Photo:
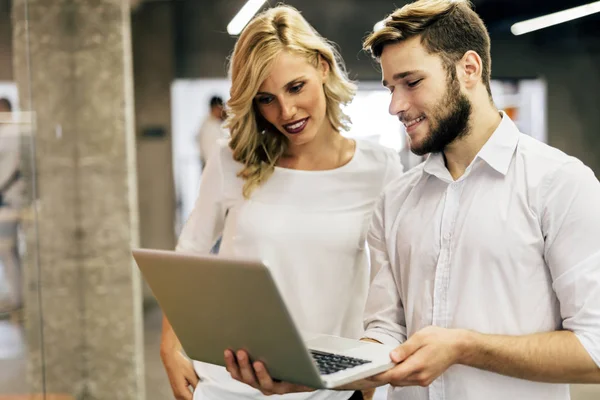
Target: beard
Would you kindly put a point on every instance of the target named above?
(450, 124)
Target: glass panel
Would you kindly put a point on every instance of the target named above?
(21, 348)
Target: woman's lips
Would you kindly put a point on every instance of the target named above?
(296, 126)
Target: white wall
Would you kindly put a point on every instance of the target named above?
(9, 91)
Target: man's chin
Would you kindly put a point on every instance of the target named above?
(419, 143)
(418, 150)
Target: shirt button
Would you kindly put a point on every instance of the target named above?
(447, 235)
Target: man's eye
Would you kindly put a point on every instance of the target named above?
(414, 83)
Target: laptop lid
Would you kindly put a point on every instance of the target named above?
(217, 303)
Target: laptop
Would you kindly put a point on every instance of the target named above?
(217, 303)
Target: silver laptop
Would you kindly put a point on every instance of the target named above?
(217, 303)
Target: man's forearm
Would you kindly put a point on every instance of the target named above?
(555, 357)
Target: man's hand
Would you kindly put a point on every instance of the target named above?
(257, 376)
(423, 357)
(181, 374)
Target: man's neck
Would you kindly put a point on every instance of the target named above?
(459, 154)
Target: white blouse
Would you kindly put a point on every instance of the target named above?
(310, 227)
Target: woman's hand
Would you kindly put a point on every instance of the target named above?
(257, 376)
(181, 374)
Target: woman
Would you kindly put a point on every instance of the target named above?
(289, 189)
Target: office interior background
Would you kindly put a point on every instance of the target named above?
(107, 98)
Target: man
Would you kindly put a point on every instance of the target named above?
(211, 132)
(487, 254)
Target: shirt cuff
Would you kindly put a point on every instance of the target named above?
(384, 337)
(590, 346)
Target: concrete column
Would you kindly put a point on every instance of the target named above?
(73, 67)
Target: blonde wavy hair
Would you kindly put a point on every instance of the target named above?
(278, 29)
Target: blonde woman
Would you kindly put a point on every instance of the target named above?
(289, 188)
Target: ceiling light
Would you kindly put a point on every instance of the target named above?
(555, 18)
(244, 16)
(379, 25)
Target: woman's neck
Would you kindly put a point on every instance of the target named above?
(326, 151)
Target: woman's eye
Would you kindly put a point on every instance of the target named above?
(264, 100)
(297, 88)
(414, 83)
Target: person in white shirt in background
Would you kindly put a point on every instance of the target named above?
(11, 198)
(488, 253)
(211, 132)
(288, 189)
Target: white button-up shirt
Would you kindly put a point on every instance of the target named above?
(512, 247)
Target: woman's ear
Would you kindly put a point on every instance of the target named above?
(324, 68)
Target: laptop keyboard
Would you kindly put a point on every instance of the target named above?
(329, 363)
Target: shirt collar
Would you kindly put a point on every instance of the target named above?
(435, 165)
(497, 152)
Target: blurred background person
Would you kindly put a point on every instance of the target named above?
(211, 131)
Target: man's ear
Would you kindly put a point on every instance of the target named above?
(471, 68)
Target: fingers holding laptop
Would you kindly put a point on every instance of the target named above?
(238, 368)
(257, 376)
(423, 357)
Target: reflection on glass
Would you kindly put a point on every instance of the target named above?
(19, 308)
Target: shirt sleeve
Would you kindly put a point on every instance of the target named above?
(570, 222)
(384, 318)
(206, 221)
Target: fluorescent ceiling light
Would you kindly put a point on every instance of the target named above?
(555, 18)
(243, 16)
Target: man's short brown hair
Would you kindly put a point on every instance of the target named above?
(447, 28)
